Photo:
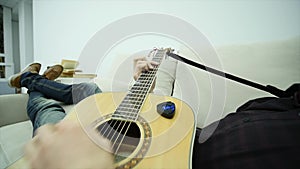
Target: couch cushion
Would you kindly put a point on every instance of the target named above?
(12, 139)
(16, 129)
(13, 108)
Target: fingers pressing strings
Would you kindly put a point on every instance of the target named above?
(141, 65)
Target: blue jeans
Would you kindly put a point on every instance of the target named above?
(42, 107)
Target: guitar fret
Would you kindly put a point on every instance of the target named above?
(133, 100)
(123, 117)
(145, 80)
(131, 104)
(150, 74)
(135, 97)
(147, 76)
(139, 84)
(140, 89)
(123, 112)
(127, 110)
(143, 83)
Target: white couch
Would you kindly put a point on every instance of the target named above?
(275, 63)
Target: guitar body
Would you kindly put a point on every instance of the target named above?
(170, 142)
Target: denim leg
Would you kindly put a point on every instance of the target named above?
(42, 110)
(83, 90)
(68, 94)
(50, 89)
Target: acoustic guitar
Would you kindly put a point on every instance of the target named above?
(146, 130)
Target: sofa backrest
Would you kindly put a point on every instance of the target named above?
(13, 108)
(268, 63)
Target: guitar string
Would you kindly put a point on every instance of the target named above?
(151, 75)
(114, 123)
(135, 102)
(136, 99)
(136, 96)
(108, 126)
(116, 151)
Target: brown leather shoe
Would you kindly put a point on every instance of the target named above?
(53, 72)
(15, 80)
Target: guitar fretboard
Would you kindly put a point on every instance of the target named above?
(131, 105)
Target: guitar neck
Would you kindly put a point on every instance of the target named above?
(133, 101)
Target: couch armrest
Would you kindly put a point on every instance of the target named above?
(13, 108)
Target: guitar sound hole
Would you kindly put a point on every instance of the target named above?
(124, 137)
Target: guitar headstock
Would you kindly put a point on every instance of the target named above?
(167, 51)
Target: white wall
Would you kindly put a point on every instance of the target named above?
(63, 27)
(7, 28)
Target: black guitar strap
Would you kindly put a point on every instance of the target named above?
(268, 88)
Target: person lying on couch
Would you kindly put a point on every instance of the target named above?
(42, 90)
(43, 110)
